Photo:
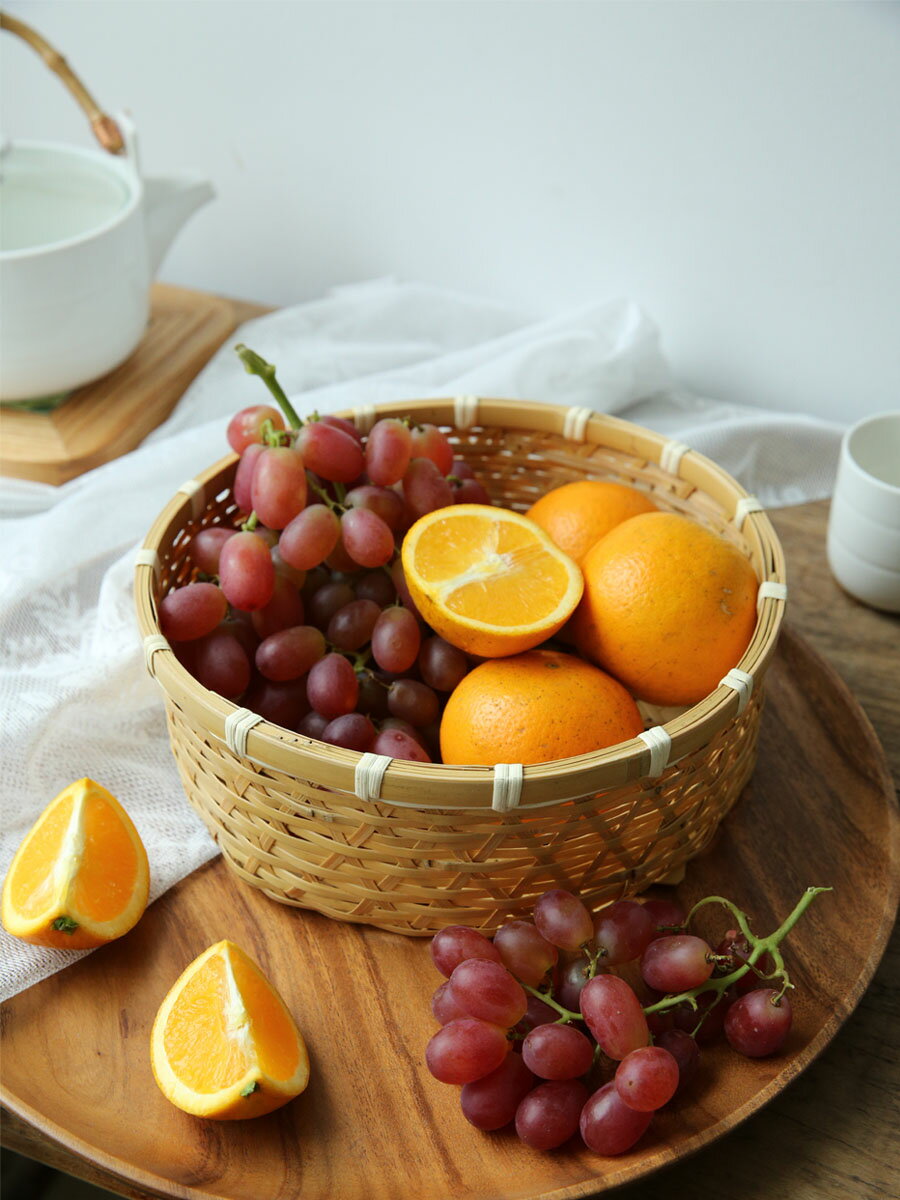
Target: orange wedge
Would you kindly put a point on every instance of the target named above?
(80, 877)
(223, 1043)
(488, 579)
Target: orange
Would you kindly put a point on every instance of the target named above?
(669, 607)
(223, 1043)
(533, 708)
(578, 515)
(80, 877)
(489, 580)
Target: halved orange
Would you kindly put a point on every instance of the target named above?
(488, 579)
(80, 877)
(223, 1043)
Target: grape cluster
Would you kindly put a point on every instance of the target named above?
(302, 611)
(569, 1023)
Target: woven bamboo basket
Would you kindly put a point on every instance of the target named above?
(415, 847)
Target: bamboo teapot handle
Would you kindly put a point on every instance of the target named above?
(105, 129)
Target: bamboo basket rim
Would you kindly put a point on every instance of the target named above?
(427, 786)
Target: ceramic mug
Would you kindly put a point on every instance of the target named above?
(864, 525)
(81, 237)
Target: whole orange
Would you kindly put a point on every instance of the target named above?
(668, 608)
(578, 515)
(535, 707)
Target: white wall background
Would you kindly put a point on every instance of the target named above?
(732, 166)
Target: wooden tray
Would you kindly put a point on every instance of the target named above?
(110, 417)
(373, 1124)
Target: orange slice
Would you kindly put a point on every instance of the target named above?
(488, 579)
(223, 1043)
(80, 877)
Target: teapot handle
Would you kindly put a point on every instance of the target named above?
(105, 128)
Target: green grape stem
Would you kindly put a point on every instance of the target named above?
(758, 948)
(254, 364)
(566, 1014)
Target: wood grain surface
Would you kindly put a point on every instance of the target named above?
(111, 416)
(373, 1124)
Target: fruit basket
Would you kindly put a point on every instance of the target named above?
(413, 847)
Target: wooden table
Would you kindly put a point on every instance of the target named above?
(831, 1134)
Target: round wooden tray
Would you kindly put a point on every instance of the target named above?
(373, 1124)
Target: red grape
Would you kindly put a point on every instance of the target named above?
(549, 1115)
(676, 963)
(470, 491)
(460, 469)
(442, 666)
(525, 953)
(706, 1021)
(736, 946)
(328, 600)
(351, 626)
(246, 572)
(295, 576)
(430, 442)
(608, 1125)
(330, 452)
(623, 931)
(458, 943)
(487, 990)
(537, 1013)
(278, 489)
(221, 664)
(310, 537)
(562, 919)
(388, 451)
(192, 612)
(491, 1102)
(291, 653)
(647, 1078)
(342, 423)
(445, 1006)
(404, 727)
(385, 502)
(206, 546)
(572, 978)
(340, 560)
(283, 610)
(413, 702)
(557, 1052)
(425, 488)
(378, 587)
(332, 687)
(684, 1050)
(313, 725)
(245, 427)
(396, 744)
(465, 1050)
(758, 1024)
(396, 640)
(282, 704)
(614, 1015)
(353, 731)
(402, 590)
(665, 914)
(366, 538)
(372, 699)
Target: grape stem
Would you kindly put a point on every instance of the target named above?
(566, 1014)
(758, 947)
(254, 364)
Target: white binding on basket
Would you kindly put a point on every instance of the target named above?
(237, 726)
(660, 746)
(744, 506)
(465, 411)
(672, 454)
(147, 557)
(152, 643)
(369, 774)
(508, 779)
(742, 683)
(771, 589)
(575, 422)
(196, 492)
(364, 417)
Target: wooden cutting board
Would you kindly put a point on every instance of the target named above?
(373, 1124)
(107, 418)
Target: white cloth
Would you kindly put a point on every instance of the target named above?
(76, 699)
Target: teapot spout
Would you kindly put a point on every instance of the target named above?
(169, 201)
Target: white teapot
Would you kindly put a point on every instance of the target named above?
(82, 235)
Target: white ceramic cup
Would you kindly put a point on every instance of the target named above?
(82, 234)
(864, 525)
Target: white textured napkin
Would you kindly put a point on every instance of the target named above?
(76, 699)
